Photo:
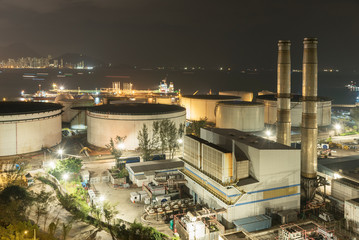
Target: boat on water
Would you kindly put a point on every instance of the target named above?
(29, 75)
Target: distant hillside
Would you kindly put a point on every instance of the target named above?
(17, 50)
(75, 58)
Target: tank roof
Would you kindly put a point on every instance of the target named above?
(136, 109)
(241, 103)
(211, 97)
(294, 98)
(17, 107)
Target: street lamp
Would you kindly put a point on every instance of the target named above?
(180, 141)
(52, 165)
(268, 133)
(65, 176)
(60, 151)
(101, 198)
(337, 128)
(121, 146)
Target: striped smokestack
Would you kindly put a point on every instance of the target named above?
(283, 90)
(309, 130)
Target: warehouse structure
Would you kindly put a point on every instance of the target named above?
(203, 106)
(242, 173)
(243, 116)
(324, 106)
(126, 120)
(28, 127)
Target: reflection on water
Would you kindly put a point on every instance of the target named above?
(330, 84)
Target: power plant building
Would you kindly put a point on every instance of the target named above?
(27, 127)
(203, 106)
(243, 116)
(126, 120)
(243, 173)
(270, 109)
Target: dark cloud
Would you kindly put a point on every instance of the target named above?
(183, 32)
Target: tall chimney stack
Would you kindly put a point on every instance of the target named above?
(283, 90)
(309, 130)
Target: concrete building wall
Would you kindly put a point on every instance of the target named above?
(26, 133)
(102, 127)
(241, 117)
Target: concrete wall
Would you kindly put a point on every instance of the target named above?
(26, 133)
(270, 112)
(241, 117)
(102, 127)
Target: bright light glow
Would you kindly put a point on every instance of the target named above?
(180, 140)
(25, 232)
(121, 146)
(337, 126)
(65, 176)
(60, 151)
(62, 87)
(337, 175)
(268, 133)
(52, 165)
(101, 198)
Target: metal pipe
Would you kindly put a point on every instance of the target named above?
(283, 91)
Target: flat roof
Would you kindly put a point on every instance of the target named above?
(348, 165)
(18, 107)
(241, 103)
(212, 97)
(155, 165)
(136, 109)
(249, 139)
(355, 201)
(294, 98)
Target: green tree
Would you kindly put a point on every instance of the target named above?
(18, 231)
(109, 213)
(53, 227)
(41, 201)
(69, 165)
(194, 127)
(116, 146)
(66, 228)
(14, 201)
(146, 145)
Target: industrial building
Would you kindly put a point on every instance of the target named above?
(28, 127)
(145, 172)
(243, 116)
(203, 106)
(74, 110)
(324, 106)
(243, 173)
(126, 120)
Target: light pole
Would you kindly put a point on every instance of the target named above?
(60, 151)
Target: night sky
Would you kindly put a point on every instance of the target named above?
(184, 32)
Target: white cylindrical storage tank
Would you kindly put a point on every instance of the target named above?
(203, 106)
(28, 127)
(126, 120)
(245, 96)
(243, 116)
(324, 106)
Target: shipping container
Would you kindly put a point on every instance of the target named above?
(255, 223)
